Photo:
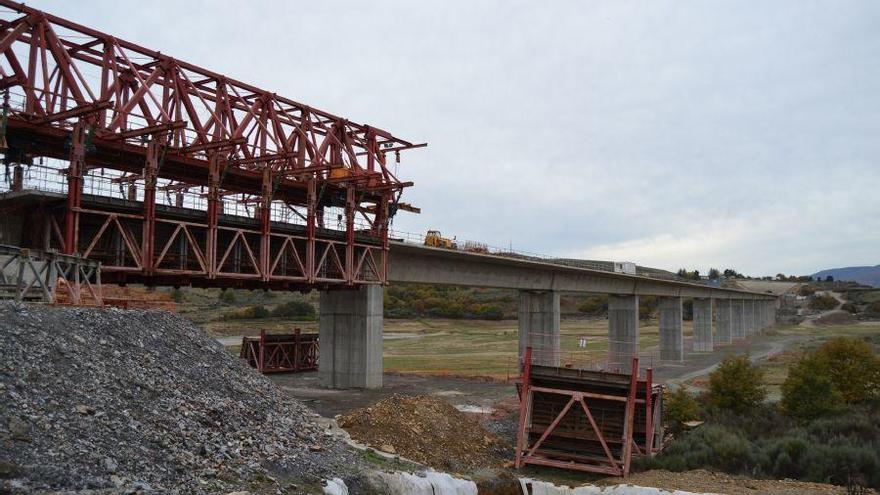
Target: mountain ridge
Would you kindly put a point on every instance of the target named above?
(868, 275)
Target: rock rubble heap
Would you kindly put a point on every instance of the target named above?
(143, 401)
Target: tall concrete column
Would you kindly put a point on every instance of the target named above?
(623, 331)
(748, 318)
(762, 316)
(703, 325)
(723, 321)
(671, 338)
(756, 328)
(350, 332)
(539, 326)
(737, 310)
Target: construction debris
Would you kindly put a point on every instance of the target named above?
(106, 399)
(425, 429)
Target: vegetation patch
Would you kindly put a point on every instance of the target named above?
(825, 429)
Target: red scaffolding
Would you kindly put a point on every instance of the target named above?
(157, 125)
(587, 420)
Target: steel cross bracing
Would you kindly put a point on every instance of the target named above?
(164, 125)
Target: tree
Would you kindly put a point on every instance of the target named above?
(682, 273)
(808, 392)
(780, 276)
(736, 385)
(853, 369)
(714, 274)
(679, 406)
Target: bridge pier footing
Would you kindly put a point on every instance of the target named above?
(703, 341)
(350, 332)
(671, 338)
(539, 326)
(623, 331)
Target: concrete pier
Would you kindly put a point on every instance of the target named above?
(703, 341)
(748, 318)
(350, 331)
(723, 321)
(539, 326)
(671, 338)
(737, 325)
(623, 331)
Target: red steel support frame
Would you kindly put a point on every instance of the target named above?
(100, 102)
(530, 454)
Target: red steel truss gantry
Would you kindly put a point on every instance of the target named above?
(250, 177)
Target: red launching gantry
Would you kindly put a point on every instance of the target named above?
(168, 173)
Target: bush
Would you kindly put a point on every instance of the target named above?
(875, 307)
(647, 307)
(294, 309)
(227, 297)
(762, 444)
(808, 391)
(806, 291)
(176, 295)
(853, 369)
(736, 385)
(850, 308)
(679, 406)
(487, 312)
(248, 313)
(594, 306)
(823, 303)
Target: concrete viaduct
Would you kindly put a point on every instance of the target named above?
(351, 320)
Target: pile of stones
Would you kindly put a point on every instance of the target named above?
(112, 401)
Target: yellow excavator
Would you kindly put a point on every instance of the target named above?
(434, 239)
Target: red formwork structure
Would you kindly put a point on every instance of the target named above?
(587, 420)
(277, 353)
(156, 127)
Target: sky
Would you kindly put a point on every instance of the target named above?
(673, 134)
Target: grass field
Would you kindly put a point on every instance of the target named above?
(490, 348)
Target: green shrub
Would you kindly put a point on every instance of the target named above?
(736, 385)
(227, 297)
(647, 307)
(822, 303)
(594, 306)
(806, 291)
(763, 443)
(294, 309)
(808, 392)
(850, 308)
(679, 406)
(176, 295)
(248, 313)
(487, 312)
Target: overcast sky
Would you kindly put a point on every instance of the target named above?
(674, 134)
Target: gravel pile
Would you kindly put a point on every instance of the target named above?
(425, 429)
(145, 402)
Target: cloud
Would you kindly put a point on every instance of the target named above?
(681, 134)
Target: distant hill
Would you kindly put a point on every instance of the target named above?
(868, 275)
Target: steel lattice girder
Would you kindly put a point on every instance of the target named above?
(101, 102)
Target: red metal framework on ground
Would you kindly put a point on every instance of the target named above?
(131, 118)
(274, 353)
(587, 420)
